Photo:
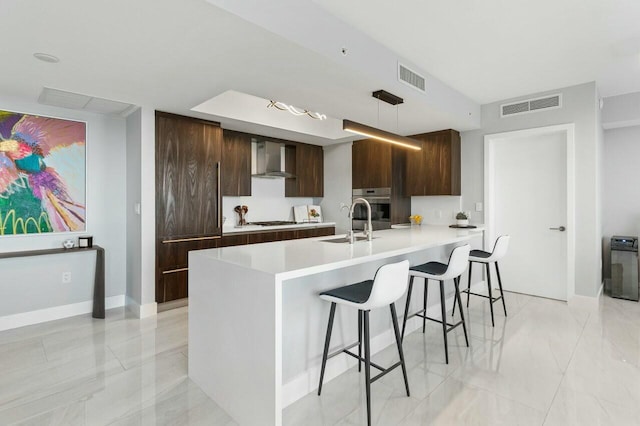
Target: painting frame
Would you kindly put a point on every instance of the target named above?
(54, 141)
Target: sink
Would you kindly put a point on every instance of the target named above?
(344, 240)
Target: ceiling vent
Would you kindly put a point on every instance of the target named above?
(61, 98)
(411, 78)
(531, 105)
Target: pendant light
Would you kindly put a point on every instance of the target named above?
(378, 134)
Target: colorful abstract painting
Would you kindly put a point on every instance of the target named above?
(42, 174)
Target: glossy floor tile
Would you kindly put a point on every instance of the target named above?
(543, 364)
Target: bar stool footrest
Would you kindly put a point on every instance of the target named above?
(493, 299)
(449, 325)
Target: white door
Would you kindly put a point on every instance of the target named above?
(529, 202)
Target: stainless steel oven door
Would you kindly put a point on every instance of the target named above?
(380, 201)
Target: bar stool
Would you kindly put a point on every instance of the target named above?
(388, 285)
(480, 256)
(440, 272)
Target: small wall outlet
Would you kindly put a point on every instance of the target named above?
(439, 214)
(478, 207)
(66, 277)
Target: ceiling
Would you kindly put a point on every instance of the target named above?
(493, 50)
(175, 55)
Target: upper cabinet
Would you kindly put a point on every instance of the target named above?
(236, 163)
(435, 170)
(371, 164)
(306, 162)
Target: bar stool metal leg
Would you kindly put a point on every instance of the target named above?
(504, 306)
(444, 322)
(424, 305)
(359, 340)
(406, 308)
(367, 365)
(456, 281)
(490, 294)
(327, 341)
(396, 331)
(469, 284)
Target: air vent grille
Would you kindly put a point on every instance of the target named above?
(61, 98)
(411, 78)
(531, 105)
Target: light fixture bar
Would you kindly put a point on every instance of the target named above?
(381, 135)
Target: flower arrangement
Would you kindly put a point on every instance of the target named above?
(416, 218)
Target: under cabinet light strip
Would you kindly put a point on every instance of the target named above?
(381, 135)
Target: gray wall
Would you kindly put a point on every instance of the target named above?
(337, 185)
(621, 195)
(134, 232)
(579, 107)
(28, 284)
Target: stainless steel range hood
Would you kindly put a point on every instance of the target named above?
(268, 160)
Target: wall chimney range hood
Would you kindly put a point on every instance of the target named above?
(268, 160)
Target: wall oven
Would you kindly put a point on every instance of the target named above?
(380, 201)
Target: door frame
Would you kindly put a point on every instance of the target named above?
(489, 216)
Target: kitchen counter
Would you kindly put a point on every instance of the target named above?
(257, 325)
(226, 230)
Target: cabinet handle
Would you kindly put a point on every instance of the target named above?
(219, 197)
(184, 240)
(173, 271)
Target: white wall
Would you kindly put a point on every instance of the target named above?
(621, 193)
(267, 202)
(30, 284)
(134, 228)
(579, 107)
(437, 210)
(337, 185)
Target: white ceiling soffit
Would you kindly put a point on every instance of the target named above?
(309, 25)
(252, 109)
(64, 99)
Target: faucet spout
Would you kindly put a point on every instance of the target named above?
(369, 231)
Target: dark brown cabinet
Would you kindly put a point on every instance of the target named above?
(306, 162)
(381, 165)
(435, 170)
(371, 164)
(236, 163)
(188, 197)
(279, 235)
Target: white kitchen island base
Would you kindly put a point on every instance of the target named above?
(257, 325)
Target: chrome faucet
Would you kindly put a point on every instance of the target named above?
(368, 231)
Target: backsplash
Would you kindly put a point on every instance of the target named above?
(267, 202)
(437, 210)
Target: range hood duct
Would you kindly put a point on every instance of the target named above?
(268, 160)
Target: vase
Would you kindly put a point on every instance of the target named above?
(463, 222)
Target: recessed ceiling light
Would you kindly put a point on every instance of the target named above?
(45, 57)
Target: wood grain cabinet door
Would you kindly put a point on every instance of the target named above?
(371, 164)
(435, 170)
(307, 163)
(236, 163)
(188, 197)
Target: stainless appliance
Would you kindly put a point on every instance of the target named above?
(380, 201)
(624, 268)
(268, 160)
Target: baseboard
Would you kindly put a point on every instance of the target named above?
(57, 312)
(141, 311)
(307, 382)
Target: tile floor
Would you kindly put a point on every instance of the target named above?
(547, 364)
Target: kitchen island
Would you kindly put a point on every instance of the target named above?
(257, 325)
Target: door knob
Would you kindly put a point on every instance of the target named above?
(560, 228)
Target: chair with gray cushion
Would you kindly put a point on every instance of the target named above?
(487, 258)
(388, 285)
(439, 272)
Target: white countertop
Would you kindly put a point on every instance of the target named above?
(295, 258)
(260, 228)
